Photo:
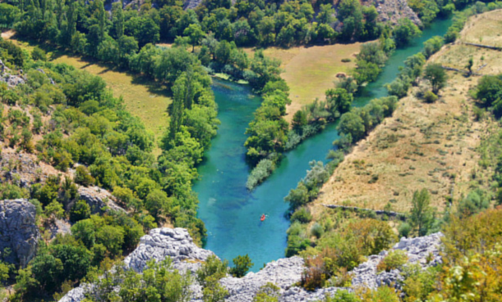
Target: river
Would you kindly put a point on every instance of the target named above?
(231, 212)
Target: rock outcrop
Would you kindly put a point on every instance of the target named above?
(284, 273)
(162, 243)
(394, 10)
(418, 250)
(18, 231)
(98, 199)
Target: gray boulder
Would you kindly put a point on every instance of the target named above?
(98, 199)
(164, 242)
(18, 231)
(418, 250)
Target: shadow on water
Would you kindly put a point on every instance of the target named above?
(232, 213)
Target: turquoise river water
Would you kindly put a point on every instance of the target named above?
(231, 212)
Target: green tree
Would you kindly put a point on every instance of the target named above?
(118, 19)
(242, 264)
(81, 210)
(351, 123)
(436, 75)
(421, 215)
(112, 237)
(338, 100)
(157, 203)
(404, 32)
(195, 33)
(299, 120)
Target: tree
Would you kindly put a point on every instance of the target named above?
(118, 19)
(469, 65)
(83, 177)
(195, 33)
(353, 124)
(176, 114)
(405, 31)
(299, 120)
(112, 237)
(421, 215)
(339, 100)
(436, 75)
(242, 264)
(157, 203)
(81, 210)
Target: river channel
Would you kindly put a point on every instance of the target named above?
(231, 212)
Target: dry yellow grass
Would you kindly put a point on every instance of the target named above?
(422, 145)
(310, 71)
(484, 29)
(142, 97)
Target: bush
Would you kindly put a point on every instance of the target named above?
(430, 97)
(263, 170)
(394, 260)
(83, 177)
(404, 229)
(213, 269)
(242, 264)
(317, 230)
(80, 210)
(302, 215)
(314, 276)
(38, 54)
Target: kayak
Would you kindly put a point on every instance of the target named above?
(263, 217)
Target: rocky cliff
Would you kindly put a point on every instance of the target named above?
(394, 10)
(285, 273)
(19, 234)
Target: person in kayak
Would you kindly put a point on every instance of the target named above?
(263, 216)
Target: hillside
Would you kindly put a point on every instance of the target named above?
(142, 97)
(433, 146)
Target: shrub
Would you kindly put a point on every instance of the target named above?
(212, 268)
(242, 264)
(317, 230)
(264, 168)
(394, 260)
(404, 229)
(267, 293)
(302, 215)
(430, 97)
(314, 276)
(80, 210)
(83, 177)
(346, 60)
(38, 54)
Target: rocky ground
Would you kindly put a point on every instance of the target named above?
(19, 234)
(285, 273)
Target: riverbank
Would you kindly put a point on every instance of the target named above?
(231, 212)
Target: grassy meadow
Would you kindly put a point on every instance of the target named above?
(310, 71)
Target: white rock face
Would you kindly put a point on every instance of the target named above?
(417, 249)
(284, 273)
(163, 243)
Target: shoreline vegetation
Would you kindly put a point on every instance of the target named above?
(312, 118)
(354, 126)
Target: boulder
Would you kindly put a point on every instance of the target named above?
(14, 81)
(18, 231)
(97, 199)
